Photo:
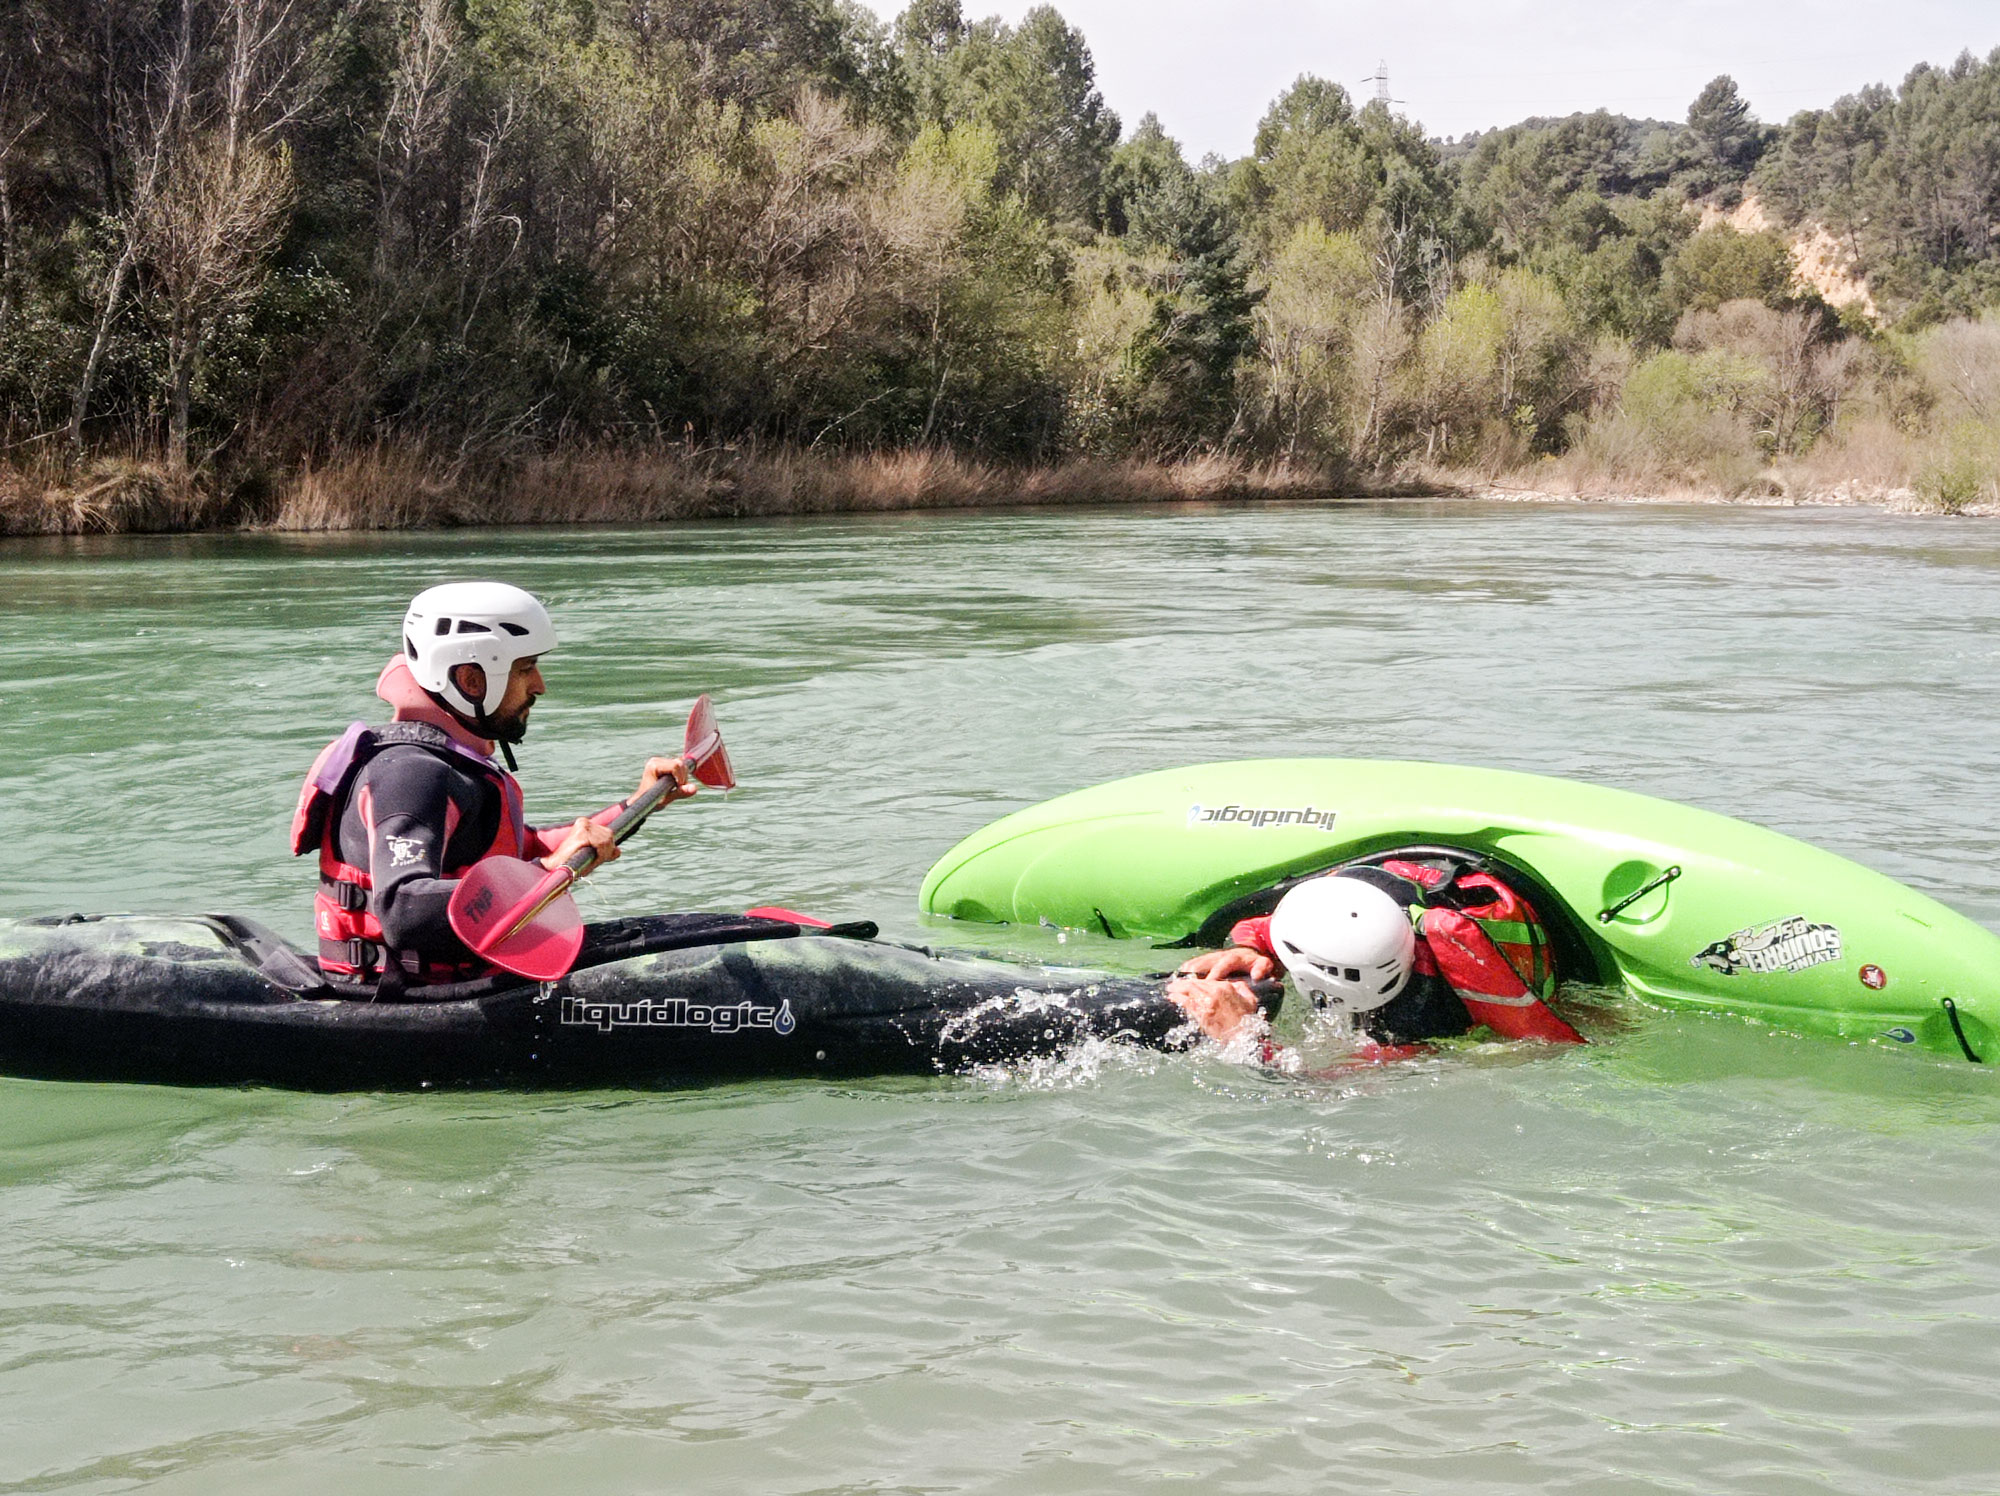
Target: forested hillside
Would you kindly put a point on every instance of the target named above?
(245, 239)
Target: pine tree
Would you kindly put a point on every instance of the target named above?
(1724, 137)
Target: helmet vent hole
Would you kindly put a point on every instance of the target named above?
(513, 628)
(1352, 975)
(444, 625)
(467, 626)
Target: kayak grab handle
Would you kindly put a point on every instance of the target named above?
(1605, 916)
(1958, 1031)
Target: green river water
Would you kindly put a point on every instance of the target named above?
(1696, 1256)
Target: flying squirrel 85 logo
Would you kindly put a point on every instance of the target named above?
(1794, 943)
(1257, 818)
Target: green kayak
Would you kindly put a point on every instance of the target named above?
(1680, 906)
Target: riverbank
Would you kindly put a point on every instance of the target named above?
(402, 489)
(387, 488)
(1536, 488)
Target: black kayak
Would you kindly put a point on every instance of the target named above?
(664, 1001)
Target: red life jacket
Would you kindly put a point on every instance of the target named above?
(1482, 939)
(1492, 951)
(350, 937)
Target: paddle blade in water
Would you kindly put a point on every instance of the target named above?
(494, 910)
(704, 752)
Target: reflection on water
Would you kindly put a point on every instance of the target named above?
(1696, 1256)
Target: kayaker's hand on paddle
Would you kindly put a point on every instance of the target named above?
(668, 768)
(585, 833)
(1237, 961)
(1220, 1008)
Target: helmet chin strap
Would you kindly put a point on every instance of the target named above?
(482, 724)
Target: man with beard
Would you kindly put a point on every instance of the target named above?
(398, 814)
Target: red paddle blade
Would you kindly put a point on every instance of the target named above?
(495, 911)
(790, 916)
(704, 752)
(715, 771)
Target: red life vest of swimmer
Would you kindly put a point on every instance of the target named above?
(1481, 955)
(351, 944)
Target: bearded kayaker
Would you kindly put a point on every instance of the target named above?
(1415, 947)
(399, 813)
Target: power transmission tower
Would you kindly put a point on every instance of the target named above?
(1380, 78)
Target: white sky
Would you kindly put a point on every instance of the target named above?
(1209, 68)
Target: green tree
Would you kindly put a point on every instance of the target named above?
(1316, 159)
(1138, 169)
(1724, 139)
(1455, 375)
(1723, 133)
(977, 299)
(1909, 180)
(1034, 86)
(1542, 368)
(1720, 265)
(1821, 163)
(755, 52)
(1315, 288)
(1681, 418)
(1517, 180)
(1308, 164)
(1186, 362)
(1611, 269)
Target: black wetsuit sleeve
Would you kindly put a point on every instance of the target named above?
(401, 809)
(1426, 1009)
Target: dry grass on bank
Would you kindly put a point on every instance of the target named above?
(398, 491)
(1871, 462)
(393, 488)
(107, 495)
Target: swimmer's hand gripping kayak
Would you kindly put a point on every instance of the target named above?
(520, 916)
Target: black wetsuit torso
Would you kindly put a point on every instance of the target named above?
(411, 793)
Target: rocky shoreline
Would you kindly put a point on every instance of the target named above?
(1852, 494)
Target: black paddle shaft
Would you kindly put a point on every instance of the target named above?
(627, 821)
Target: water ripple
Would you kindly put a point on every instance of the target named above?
(1699, 1257)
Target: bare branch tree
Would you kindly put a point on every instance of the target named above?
(1382, 342)
(415, 125)
(262, 86)
(205, 237)
(19, 117)
(481, 215)
(219, 203)
(169, 85)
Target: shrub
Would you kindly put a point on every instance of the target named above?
(1678, 421)
(1720, 265)
(1964, 469)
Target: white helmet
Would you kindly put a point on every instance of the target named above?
(1346, 943)
(488, 624)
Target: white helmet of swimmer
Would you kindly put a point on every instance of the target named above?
(489, 624)
(1346, 944)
